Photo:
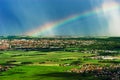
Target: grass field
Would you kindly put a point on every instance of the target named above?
(17, 57)
(35, 65)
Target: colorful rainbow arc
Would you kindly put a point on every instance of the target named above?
(48, 26)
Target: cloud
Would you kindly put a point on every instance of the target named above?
(112, 16)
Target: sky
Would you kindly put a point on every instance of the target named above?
(56, 17)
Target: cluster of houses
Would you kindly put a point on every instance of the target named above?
(42, 43)
(4, 44)
(103, 73)
(5, 68)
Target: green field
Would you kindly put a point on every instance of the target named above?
(36, 65)
(58, 57)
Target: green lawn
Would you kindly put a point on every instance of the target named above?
(41, 73)
(44, 65)
(37, 57)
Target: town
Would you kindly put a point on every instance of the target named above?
(81, 58)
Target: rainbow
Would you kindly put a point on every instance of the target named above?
(52, 25)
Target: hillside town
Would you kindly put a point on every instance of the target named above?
(89, 58)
